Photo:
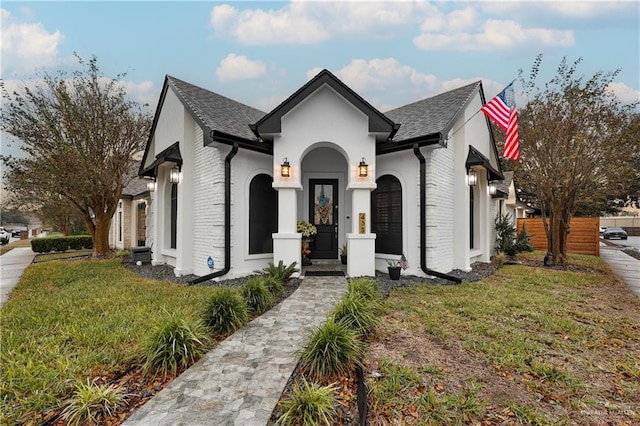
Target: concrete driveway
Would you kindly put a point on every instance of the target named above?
(12, 265)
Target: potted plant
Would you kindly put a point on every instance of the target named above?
(343, 254)
(394, 269)
(308, 231)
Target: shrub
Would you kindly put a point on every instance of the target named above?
(225, 311)
(332, 348)
(45, 245)
(309, 404)
(274, 285)
(256, 295)
(367, 288)
(281, 273)
(523, 241)
(505, 234)
(356, 313)
(90, 402)
(176, 342)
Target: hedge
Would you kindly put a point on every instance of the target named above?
(77, 242)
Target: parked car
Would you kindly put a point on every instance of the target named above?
(4, 236)
(614, 232)
(15, 233)
(602, 229)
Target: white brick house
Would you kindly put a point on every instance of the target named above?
(235, 207)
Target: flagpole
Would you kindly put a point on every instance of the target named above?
(455, 131)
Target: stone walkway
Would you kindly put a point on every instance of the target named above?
(240, 381)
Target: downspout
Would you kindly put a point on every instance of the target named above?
(423, 220)
(227, 220)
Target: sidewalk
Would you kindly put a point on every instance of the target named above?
(623, 265)
(12, 265)
(240, 381)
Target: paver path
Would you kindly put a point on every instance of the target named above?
(240, 381)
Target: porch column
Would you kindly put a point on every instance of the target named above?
(361, 243)
(287, 243)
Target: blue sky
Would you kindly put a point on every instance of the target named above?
(391, 53)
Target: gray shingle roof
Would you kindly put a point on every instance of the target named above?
(216, 111)
(504, 185)
(137, 185)
(431, 115)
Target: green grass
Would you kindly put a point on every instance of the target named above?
(8, 247)
(69, 321)
(561, 334)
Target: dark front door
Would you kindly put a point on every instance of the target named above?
(323, 212)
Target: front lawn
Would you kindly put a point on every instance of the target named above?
(69, 321)
(528, 345)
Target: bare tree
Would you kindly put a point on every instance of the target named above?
(79, 132)
(576, 140)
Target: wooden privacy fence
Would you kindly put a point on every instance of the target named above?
(584, 234)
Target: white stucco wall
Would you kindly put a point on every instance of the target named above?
(325, 120)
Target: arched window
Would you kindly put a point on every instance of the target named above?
(263, 214)
(386, 215)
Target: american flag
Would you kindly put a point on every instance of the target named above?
(502, 111)
(403, 262)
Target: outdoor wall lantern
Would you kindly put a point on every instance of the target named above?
(492, 188)
(472, 177)
(174, 175)
(285, 168)
(363, 168)
(151, 185)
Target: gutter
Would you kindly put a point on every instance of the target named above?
(227, 220)
(423, 220)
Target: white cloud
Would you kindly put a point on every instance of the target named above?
(494, 34)
(27, 46)
(381, 75)
(624, 93)
(302, 22)
(234, 67)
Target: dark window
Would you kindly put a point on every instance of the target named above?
(386, 215)
(174, 215)
(263, 214)
(141, 224)
(471, 218)
(120, 225)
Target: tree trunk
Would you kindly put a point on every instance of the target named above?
(101, 236)
(556, 233)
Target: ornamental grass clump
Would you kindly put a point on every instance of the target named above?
(275, 286)
(90, 403)
(332, 348)
(225, 311)
(357, 313)
(176, 342)
(280, 272)
(309, 404)
(256, 295)
(366, 288)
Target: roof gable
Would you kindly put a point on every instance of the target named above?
(223, 117)
(271, 123)
(432, 116)
(216, 112)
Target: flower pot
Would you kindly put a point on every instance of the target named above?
(343, 259)
(394, 272)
